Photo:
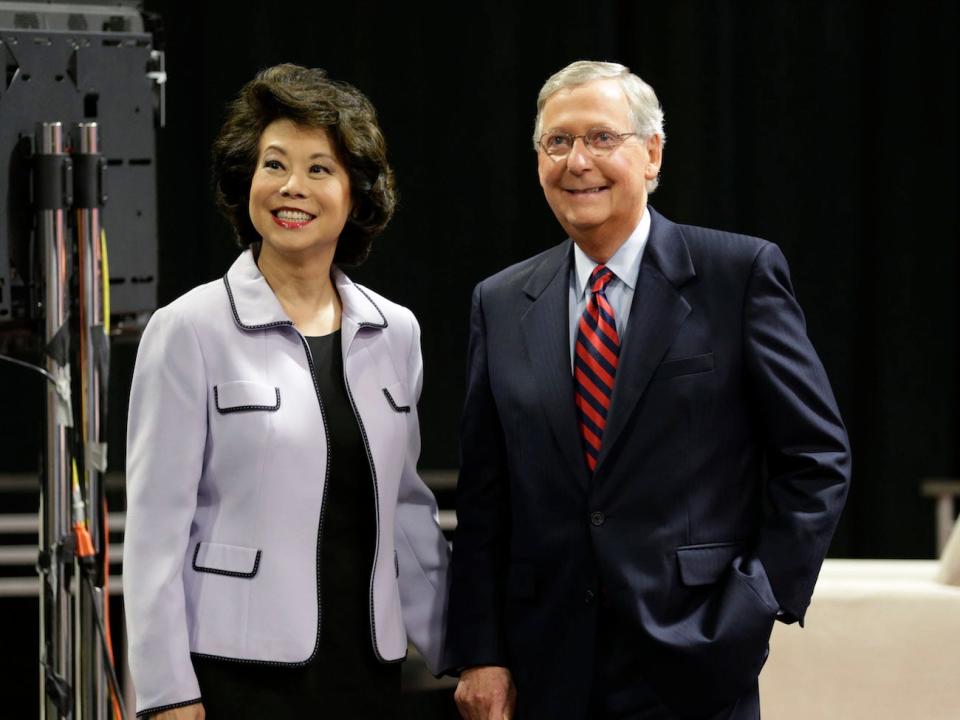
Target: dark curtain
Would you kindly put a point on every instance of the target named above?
(826, 126)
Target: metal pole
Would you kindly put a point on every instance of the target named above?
(52, 195)
(91, 681)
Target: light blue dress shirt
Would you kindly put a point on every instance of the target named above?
(625, 265)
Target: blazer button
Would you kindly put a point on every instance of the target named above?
(597, 518)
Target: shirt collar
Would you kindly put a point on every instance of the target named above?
(625, 263)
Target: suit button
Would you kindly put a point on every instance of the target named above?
(597, 518)
(589, 597)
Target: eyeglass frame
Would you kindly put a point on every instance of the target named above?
(621, 137)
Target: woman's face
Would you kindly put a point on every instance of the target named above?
(300, 192)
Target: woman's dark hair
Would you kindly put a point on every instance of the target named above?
(309, 98)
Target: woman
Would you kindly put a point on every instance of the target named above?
(279, 544)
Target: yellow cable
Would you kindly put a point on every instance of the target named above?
(105, 278)
(79, 509)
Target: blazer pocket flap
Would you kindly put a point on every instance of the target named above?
(684, 366)
(396, 396)
(705, 564)
(220, 559)
(242, 395)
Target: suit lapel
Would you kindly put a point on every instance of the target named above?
(545, 327)
(656, 315)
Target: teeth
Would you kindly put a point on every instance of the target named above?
(588, 190)
(294, 215)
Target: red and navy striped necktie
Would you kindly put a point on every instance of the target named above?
(595, 364)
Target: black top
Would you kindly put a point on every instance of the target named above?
(344, 679)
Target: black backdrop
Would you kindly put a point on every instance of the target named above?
(827, 126)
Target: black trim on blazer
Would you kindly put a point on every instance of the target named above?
(218, 571)
(279, 663)
(162, 708)
(375, 307)
(236, 315)
(323, 500)
(323, 510)
(393, 403)
(243, 408)
(323, 503)
(376, 507)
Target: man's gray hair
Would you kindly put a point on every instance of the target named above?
(644, 106)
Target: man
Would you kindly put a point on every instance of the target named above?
(653, 463)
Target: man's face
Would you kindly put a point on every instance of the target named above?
(598, 200)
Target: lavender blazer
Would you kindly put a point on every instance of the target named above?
(226, 469)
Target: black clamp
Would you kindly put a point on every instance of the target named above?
(88, 181)
(53, 182)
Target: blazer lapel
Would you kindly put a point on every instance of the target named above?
(545, 328)
(252, 301)
(359, 310)
(256, 307)
(656, 315)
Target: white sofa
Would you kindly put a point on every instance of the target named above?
(882, 640)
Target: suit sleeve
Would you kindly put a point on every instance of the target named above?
(423, 555)
(166, 435)
(475, 632)
(807, 451)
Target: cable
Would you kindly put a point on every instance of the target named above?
(105, 283)
(84, 542)
(29, 366)
(87, 557)
(105, 280)
(58, 688)
(111, 671)
(118, 713)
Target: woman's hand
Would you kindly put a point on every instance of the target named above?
(187, 712)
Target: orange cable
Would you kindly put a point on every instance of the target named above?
(106, 604)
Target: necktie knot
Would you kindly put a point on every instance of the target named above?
(599, 278)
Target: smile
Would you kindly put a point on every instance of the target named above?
(291, 218)
(586, 191)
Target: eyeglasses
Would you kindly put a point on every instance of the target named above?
(599, 141)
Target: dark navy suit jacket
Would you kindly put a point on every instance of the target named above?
(723, 470)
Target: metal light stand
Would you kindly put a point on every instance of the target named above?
(73, 681)
(88, 66)
(91, 681)
(52, 194)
